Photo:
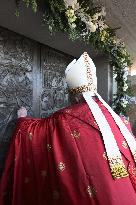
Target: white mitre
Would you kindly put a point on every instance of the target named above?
(85, 78)
(81, 78)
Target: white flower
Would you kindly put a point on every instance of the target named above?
(115, 75)
(71, 16)
(82, 16)
(73, 25)
(84, 33)
(124, 102)
(125, 87)
(115, 41)
(90, 19)
(124, 105)
(83, 19)
(118, 41)
(70, 12)
(125, 73)
(124, 78)
(92, 27)
(95, 16)
(126, 68)
(72, 19)
(96, 25)
(74, 1)
(122, 60)
(101, 23)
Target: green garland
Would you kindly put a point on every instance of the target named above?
(87, 23)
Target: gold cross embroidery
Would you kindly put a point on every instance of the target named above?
(91, 191)
(61, 166)
(75, 134)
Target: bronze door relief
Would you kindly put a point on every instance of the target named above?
(31, 75)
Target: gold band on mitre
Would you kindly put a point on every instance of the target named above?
(83, 88)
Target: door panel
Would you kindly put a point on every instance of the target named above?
(31, 75)
(54, 94)
(15, 78)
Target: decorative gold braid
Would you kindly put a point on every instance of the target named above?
(83, 88)
(88, 68)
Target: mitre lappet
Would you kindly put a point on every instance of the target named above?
(81, 78)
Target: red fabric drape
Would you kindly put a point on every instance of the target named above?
(61, 160)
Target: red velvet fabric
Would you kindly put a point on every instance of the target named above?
(61, 160)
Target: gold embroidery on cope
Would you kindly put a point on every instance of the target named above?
(75, 134)
(61, 166)
(91, 191)
(124, 144)
(48, 147)
(30, 136)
